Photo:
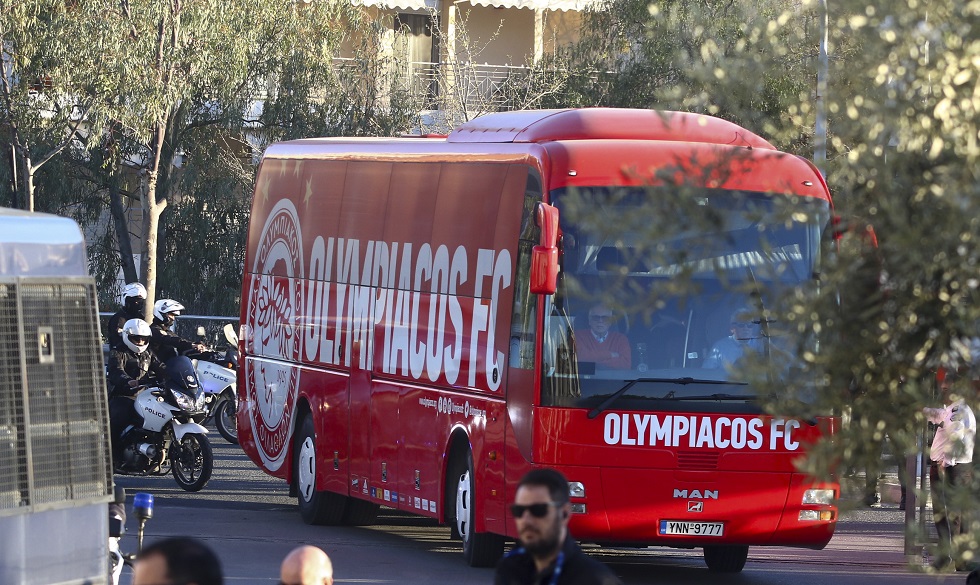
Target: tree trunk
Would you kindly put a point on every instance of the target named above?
(121, 225)
(26, 180)
(153, 208)
(152, 223)
(29, 185)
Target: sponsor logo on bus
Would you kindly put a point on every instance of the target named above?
(272, 384)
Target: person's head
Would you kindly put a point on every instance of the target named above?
(600, 319)
(166, 311)
(177, 561)
(744, 324)
(134, 298)
(973, 578)
(541, 511)
(306, 565)
(951, 383)
(136, 335)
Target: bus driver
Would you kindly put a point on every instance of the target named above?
(746, 338)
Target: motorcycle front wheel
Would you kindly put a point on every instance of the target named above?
(192, 461)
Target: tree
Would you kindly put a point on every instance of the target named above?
(196, 91)
(894, 304)
(50, 84)
(183, 67)
(678, 55)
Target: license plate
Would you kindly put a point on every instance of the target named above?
(692, 528)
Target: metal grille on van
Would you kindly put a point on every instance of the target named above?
(53, 418)
(697, 460)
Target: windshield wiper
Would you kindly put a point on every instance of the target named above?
(683, 381)
(671, 396)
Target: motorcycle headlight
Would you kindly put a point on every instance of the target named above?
(184, 401)
(201, 399)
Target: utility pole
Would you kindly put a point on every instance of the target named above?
(820, 127)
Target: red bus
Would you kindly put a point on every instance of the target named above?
(415, 313)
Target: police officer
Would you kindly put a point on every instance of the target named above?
(134, 303)
(166, 344)
(130, 366)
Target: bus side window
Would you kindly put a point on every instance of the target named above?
(523, 333)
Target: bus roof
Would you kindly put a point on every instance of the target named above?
(594, 147)
(39, 244)
(605, 123)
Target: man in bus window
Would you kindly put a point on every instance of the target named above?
(746, 338)
(599, 344)
(546, 551)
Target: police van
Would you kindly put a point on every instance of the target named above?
(55, 463)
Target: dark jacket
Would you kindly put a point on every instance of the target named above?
(113, 330)
(167, 344)
(125, 365)
(517, 568)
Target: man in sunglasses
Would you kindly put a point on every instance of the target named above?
(746, 338)
(130, 365)
(306, 565)
(547, 554)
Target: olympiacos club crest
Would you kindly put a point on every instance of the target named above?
(274, 340)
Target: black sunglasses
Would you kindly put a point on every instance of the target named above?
(536, 510)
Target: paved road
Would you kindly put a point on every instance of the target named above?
(252, 523)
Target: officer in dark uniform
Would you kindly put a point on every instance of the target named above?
(134, 303)
(130, 366)
(166, 344)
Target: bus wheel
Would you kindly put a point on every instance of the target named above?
(480, 549)
(725, 559)
(360, 512)
(316, 507)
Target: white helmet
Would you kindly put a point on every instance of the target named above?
(134, 289)
(167, 310)
(136, 335)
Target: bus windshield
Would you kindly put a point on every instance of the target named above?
(676, 299)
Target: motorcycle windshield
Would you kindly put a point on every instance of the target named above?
(181, 376)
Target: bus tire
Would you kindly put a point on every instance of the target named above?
(315, 507)
(726, 559)
(480, 549)
(360, 512)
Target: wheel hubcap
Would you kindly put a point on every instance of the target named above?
(307, 469)
(463, 505)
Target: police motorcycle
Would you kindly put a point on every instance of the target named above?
(217, 373)
(215, 369)
(171, 438)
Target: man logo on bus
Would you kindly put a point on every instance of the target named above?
(274, 303)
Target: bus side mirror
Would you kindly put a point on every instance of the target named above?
(841, 227)
(544, 256)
